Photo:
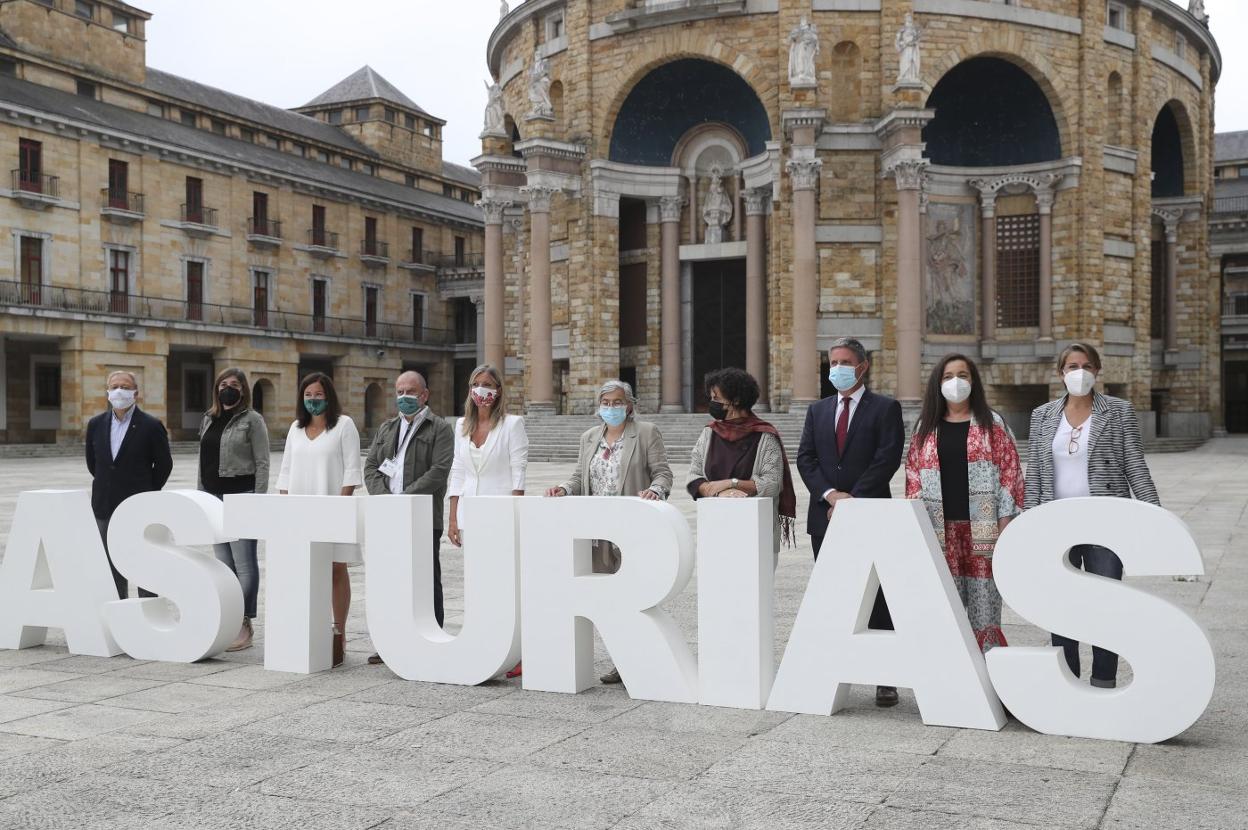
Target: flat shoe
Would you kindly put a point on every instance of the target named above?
(375, 660)
(885, 696)
(612, 676)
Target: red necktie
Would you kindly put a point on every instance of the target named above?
(842, 425)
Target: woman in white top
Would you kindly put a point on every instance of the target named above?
(322, 458)
(491, 450)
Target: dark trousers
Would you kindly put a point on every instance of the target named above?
(123, 587)
(1103, 562)
(439, 612)
(880, 618)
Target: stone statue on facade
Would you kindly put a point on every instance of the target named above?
(495, 115)
(803, 49)
(503, 10)
(718, 209)
(907, 44)
(539, 88)
(1196, 8)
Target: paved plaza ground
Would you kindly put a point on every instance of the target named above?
(116, 743)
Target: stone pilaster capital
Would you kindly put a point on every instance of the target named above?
(476, 298)
(804, 173)
(670, 208)
(909, 174)
(757, 199)
(1044, 201)
(539, 197)
(493, 210)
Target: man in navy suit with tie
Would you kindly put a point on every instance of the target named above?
(851, 447)
(127, 453)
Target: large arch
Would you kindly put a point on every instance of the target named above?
(679, 96)
(374, 407)
(990, 112)
(1173, 152)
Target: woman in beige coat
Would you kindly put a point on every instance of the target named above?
(623, 457)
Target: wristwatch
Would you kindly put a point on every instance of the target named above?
(735, 482)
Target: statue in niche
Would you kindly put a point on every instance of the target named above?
(803, 49)
(907, 44)
(950, 283)
(494, 113)
(718, 209)
(539, 88)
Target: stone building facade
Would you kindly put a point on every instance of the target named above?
(672, 187)
(1228, 249)
(162, 226)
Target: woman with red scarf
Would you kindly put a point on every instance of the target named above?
(739, 455)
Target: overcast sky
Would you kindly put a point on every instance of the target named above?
(286, 52)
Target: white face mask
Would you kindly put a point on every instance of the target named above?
(121, 398)
(956, 390)
(1079, 382)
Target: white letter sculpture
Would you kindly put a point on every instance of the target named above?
(563, 601)
(298, 532)
(803, 49)
(907, 44)
(1168, 651)
(932, 651)
(55, 575)
(147, 537)
(398, 552)
(736, 625)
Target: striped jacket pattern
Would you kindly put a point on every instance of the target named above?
(1116, 465)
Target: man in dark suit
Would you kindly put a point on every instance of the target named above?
(411, 454)
(851, 447)
(127, 453)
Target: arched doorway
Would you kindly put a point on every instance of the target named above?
(374, 409)
(990, 113)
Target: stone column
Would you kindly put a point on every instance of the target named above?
(478, 302)
(1172, 284)
(541, 392)
(804, 177)
(669, 301)
(1044, 204)
(909, 179)
(492, 338)
(756, 203)
(694, 219)
(988, 277)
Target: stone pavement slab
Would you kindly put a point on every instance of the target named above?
(90, 742)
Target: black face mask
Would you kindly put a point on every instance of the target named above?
(718, 410)
(229, 396)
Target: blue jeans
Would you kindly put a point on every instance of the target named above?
(1103, 562)
(240, 556)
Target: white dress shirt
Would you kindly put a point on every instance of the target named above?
(854, 400)
(118, 429)
(1070, 470)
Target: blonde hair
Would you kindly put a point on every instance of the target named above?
(470, 407)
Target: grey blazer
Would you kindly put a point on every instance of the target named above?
(643, 461)
(1116, 465)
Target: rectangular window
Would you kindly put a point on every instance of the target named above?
(361, 113)
(8, 69)
(370, 310)
(30, 165)
(188, 118)
(1116, 16)
(409, 179)
(194, 290)
(318, 304)
(322, 156)
(47, 385)
(448, 191)
(156, 109)
(391, 115)
(370, 235)
(1018, 271)
(218, 126)
(334, 116)
(298, 149)
(465, 320)
(85, 89)
(247, 135)
(121, 22)
(119, 281)
(118, 184)
(194, 200)
(348, 163)
(418, 245)
(318, 224)
(368, 169)
(260, 214)
(460, 250)
(84, 9)
(260, 299)
(418, 317)
(274, 142)
(1157, 308)
(409, 121)
(32, 270)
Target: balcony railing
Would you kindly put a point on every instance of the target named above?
(374, 248)
(1235, 305)
(122, 200)
(465, 260)
(57, 298)
(1231, 204)
(24, 181)
(321, 238)
(199, 215)
(418, 257)
(264, 227)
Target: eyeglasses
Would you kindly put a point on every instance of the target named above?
(614, 405)
(1073, 447)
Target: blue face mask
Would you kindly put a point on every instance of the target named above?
(410, 404)
(613, 415)
(843, 378)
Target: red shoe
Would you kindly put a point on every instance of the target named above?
(514, 673)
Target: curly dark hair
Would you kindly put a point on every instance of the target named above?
(737, 387)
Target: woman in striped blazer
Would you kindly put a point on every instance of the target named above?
(1086, 444)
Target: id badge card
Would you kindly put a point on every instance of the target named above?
(389, 468)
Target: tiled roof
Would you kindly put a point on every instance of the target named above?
(461, 174)
(141, 125)
(227, 102)
(1230, 146)
(362, 85)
